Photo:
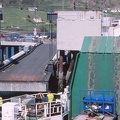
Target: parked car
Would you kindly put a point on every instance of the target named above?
(43, 36)
(29, 38)
(14, 36)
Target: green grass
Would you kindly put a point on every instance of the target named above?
(15, 17)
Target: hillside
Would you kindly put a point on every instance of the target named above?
(16, 14)
(46, 5)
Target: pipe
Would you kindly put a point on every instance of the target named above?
(61, 64)
(69, 71)
(60, 84)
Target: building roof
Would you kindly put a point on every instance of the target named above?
(30, 68)
(101, 44)
(29, 74)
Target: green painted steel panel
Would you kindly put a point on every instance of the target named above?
(117, 81)
(101, 46)
(117, 45)
(80, 81)
(104, 71)
(90, 44)
(85, 44)
(96, 70)
(110, 45)
(93, 44)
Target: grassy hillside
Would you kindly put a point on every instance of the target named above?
(16, 18)
(16, 14)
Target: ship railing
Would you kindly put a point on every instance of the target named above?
(42, 110)
(48, 109)
(34, 104)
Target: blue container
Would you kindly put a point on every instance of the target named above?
(104, 103)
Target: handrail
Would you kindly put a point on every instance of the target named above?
(49, 108)
(28, 105)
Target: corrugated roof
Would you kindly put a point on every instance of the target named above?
(101, 44)
(30, 68)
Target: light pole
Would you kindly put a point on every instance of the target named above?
(74, 5)
(35, 16)
(1, 18)
(50, 23)
(46, 25)
(35, 29)
(63, 4)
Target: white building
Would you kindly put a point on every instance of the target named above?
(72, 26)
(107, 21)
(114, 31)
(0, 5)
(106, 24)
(37, 20)
(110, 27)
(115, 10)
(32, 9)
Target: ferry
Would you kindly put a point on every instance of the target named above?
(35, 107)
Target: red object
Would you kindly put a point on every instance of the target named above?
(74, 3)
(2, 36)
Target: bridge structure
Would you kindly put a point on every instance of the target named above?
(28, 73)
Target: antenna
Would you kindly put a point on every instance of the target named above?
(74, 5)
(63, 4)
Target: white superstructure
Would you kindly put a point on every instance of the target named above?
(72, 26)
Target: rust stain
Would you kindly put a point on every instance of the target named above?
(117, 78)
(97, 14)
(118, 43)
(91, 72)
(94, 43)
(21, 77)
(91, 79)
(116, 60)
